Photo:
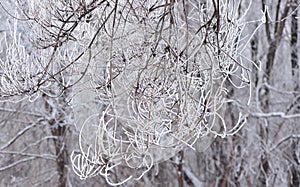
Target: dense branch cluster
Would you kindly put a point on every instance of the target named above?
(158, 71)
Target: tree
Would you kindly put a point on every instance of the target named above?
(158, 90)
(146, 79)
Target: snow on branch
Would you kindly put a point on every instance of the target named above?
(193, 178)
(274, 114)
(19, 134)
(159, 72)
(17, 163)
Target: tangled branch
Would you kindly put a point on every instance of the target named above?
(158, 71)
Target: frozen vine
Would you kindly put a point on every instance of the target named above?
(154, 74)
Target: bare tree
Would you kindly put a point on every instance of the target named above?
(141, 82)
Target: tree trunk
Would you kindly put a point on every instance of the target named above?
(57, 109)
(61, 154)
(180, 172)
(254, 56)
(274, 41)
(294, 48)
(295, 171)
